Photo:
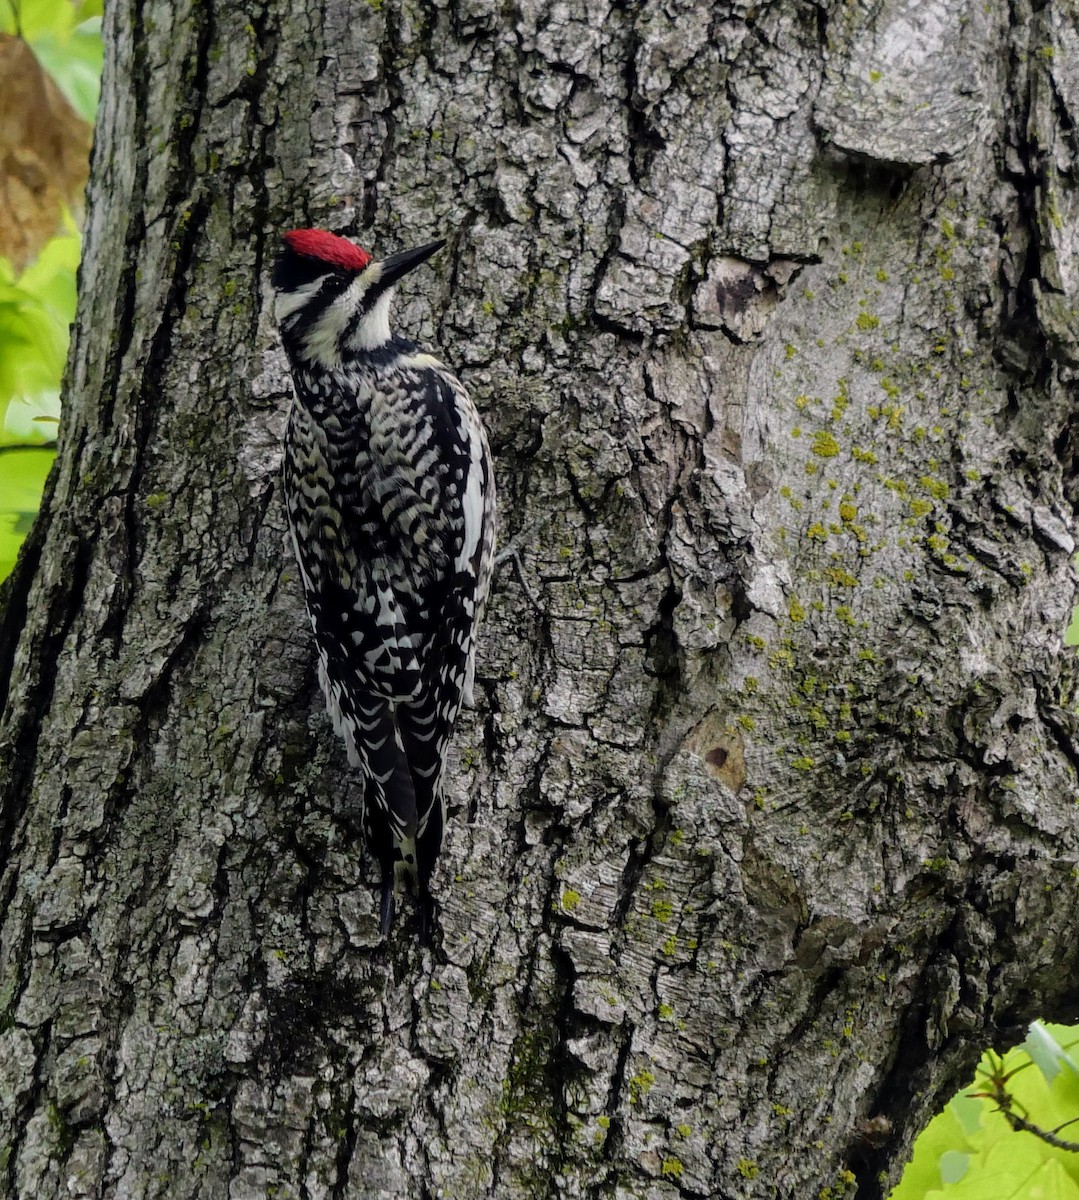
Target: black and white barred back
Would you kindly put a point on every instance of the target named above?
(390, 493)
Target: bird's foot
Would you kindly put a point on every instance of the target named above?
(512, 553)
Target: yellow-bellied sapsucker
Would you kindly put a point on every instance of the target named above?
(391, 501)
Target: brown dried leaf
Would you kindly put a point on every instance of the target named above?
(44, 154)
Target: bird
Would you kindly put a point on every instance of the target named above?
(390, 493)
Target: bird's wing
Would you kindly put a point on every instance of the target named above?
(475, 558)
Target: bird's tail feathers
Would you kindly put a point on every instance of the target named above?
(390, 809)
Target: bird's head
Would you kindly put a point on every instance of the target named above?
(332, 299)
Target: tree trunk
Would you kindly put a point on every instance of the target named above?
(766, 820)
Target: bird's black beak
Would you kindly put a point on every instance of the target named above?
(400, 264)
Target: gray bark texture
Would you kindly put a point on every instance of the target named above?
(766, 820)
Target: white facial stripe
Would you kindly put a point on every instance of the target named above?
(286, 303)
(360, 285)
(374, 330)
(322, 340)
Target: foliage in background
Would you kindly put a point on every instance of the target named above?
(23, 471)
(1013, 1134)
(48, 97)
(66, 40)
(36, 311)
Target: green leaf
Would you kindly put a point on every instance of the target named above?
(31, 422)
(1071, 634)
(74, 60)
(1012, 1170)
(22, 480)
(1047, 1052)
(51, 276)
(35, 315)
(931, 1165)
(953, 1166)
(38, 18)
(66, 38)
(969, 1111)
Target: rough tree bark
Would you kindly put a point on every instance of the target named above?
(767, 818)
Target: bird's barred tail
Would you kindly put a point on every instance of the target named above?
(400, 751)
(425, 731)
(390, 811)
(426, 727)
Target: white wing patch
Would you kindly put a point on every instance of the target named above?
(421, 361)
(472, 500)
(476, 544)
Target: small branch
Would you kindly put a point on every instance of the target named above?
(1006, 1104)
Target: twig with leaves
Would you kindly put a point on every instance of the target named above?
(1007, 1104)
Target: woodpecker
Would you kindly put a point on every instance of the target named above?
(390, 493)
